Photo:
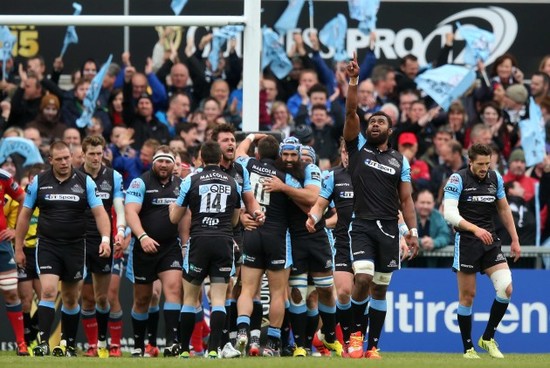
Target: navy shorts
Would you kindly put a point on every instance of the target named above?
(29, 272)
(311, 253)
(471, 255)
(145, 267)
(209, 256)
(266, 250)
(65, 261)
(376, 241)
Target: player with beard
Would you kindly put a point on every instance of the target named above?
(473, 196)
(311, 253)
(382, 185)
(156, 253)
(224, 135)
(265, 248)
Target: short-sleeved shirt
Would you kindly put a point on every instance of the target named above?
(275, 205)
(376, 176)
(10, 187)
(109, 187)
(338, 188)
(154, 198)
(297, 217)
(476, 198)
(62, 205)
(212, 196)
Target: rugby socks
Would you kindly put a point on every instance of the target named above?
(344, 317)
(89, 323)
(187, 325)
(298, 321)
(46, 315)
(153, 325)
(233, 321)
(115, 327)
(139, 323)
(285, 327)
(102, 317)
(498, 309)
(377, 316)
(227, 323)
(217, 319)
(311, 326)
(256, 321)
(358, 308)
(274, 336)
(27, 327)
(243, 323)
(69, 324)
(464, 316)
(15, 315)
(328, 316)
(171, 322)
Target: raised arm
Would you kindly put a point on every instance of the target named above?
(351, 126)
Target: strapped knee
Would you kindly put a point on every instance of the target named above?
(365, 267)
(8, 281)
(298, 284)
(501, 280)
(382, 278)
(323, 281)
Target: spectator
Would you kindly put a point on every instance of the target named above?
(189, 133)
(325, 135)
(433, 231)
(383, 78)
(481, 134)
(281, 119)
(71, 136)
(48, 121)
(366, 102)
(73, 103)
(144, 123)
(516, 172)
(115, 107)
(515, 99)
(420, 172)
(523, 213)
(318, 95)
(492, 117)
(178, 110)
(307, 79)
(540, 84)
(132, 166)
(453, 160)
(406, 99)
(457, 119)
(25, 103)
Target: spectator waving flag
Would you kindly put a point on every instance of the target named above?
(365, 12)
(90, 101)
(7, 40)
(220, 36)
(478, 43)
(333, 34)
(289, 18)
(446, 83)
(533, 135)
(177, 6)
(274, 55)
(22, 146)
(70, 35)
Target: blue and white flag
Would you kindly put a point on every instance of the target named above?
(220, 36)
(365, 12)
(23, 146)
(274, 55)
(289, 18)
(7, 40)
(533, 135)
(446, 83)
(478, 43)
(90, 101)
(333, 34)
(177, 6)
(70, 35)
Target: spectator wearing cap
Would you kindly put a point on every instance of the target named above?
(514, 102)
(48, 122)
(144, 123)
(407, 145)
(517, 172)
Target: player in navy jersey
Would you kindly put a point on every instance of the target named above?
(156, 253)
(473, 196)
(382, 186)
(95, 306)
(338, 188)
(8, 267)
(311, 253)
(214, 200)
(264, 248)
(63, 196)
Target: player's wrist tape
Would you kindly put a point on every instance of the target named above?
(121, 229)
(256, 213)
(315, 218)
(414, 232)
(251, 137)
(403, 229)
(106, 239)
(143, 236)
(353, 81)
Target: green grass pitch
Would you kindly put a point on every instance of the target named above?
(401, 360)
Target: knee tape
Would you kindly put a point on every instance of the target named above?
(382, 278)
(366, 267)
(501, 280)
(323, 281)
(8, 281)
(299, 282)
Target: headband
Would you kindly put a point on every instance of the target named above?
(164, 156)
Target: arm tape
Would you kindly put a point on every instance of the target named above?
(451, 212)
(118, 204)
